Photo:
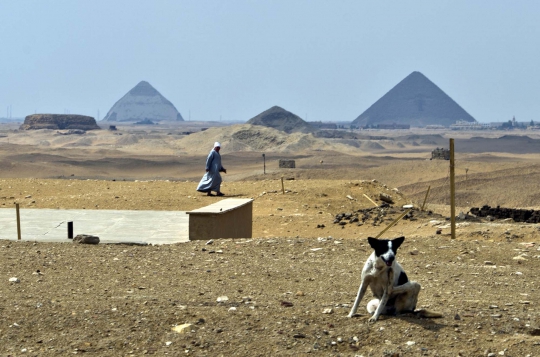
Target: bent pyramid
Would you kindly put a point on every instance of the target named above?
(143, 102)
(280, 119)
(416, 101)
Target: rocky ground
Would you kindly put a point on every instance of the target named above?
(287, 291)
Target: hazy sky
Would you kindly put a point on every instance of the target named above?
(327, 60)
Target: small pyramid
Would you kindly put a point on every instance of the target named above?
(416, 101)
(141, 103)
(280, 119)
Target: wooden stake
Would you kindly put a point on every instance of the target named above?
(395, 221)
(282, 186)
(18, 222)
(425, 198)
(366, 196)
(452, 192)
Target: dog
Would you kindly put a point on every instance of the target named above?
(394, 292)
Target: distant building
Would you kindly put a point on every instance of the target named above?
(321, 125)
(466, 125)
(435, 126)
(440, 154)
(393, 126)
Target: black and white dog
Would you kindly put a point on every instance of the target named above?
(390, 285)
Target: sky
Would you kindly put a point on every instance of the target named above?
(231, 60)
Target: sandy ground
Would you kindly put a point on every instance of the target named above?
(267, 295)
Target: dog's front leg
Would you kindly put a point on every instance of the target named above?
(361, 291)
(384, 299)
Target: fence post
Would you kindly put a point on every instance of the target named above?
(18, 222)
(452, 192)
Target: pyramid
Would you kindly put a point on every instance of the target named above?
(143, 102)
(416, 101)
(280, 119)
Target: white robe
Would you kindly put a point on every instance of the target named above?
(211, 181)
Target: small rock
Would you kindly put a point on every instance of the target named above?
(487, 262)
(168, 343)
(287, 304)
(184, 328)
(386, 198)
(496, 316)
(299, 335)
(410, 343)
(519, 257)
(300, 293)
(350, 197)
(493, 307)
(86, 239)
(457, 317)
(414, 252)
(211, 241)
(328, 311)
(14, 280)
(534, 331)
(232, 309)
(222, 299)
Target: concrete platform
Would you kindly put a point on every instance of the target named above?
(111, 226)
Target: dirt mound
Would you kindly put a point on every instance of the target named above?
(370, 145)
(508, 143)
(257, 140)
(280, 119)
(247, 137)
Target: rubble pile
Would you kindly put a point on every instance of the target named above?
(518, 215)
(373, 215)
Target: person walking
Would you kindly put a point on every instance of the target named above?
(211, 181)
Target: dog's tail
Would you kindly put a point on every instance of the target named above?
(426, 314)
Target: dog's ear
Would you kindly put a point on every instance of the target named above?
(396, 242)
(373, 242)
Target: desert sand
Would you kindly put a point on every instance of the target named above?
(124, 300)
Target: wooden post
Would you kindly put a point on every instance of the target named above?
(452, 192)
(18, 222)
(282, 186)
(425, 198)
(264, 163)
(395, 221)
(370, 200)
